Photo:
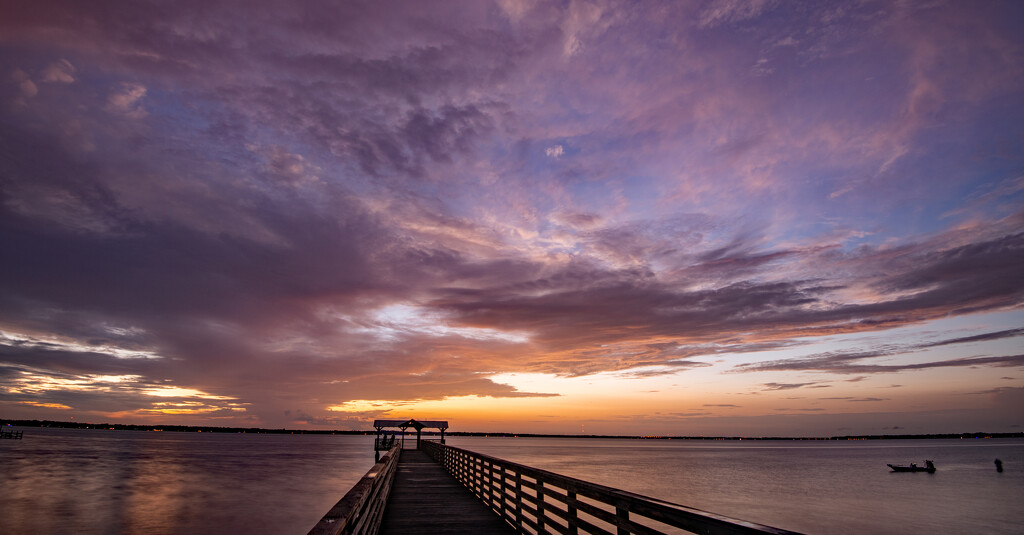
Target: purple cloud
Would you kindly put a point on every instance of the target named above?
(307, 206)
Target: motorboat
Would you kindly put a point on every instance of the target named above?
(929, 467)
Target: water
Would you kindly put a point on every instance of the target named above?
(816, 487)
(99, 482)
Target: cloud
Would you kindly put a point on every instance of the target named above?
(61, 71)
(515, 9)
(25, 84)
(82, 381)
(638, 370)
(785, 386)
(286, 181)
(128, 101)
(727, 11)
(859, 361)
(850, 363)
(997, 335)
(584, 20)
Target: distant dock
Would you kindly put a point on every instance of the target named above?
(16, 435)
(436, 488)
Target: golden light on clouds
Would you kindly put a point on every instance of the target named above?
(28, 382)
(127, 387)
(190, 407)
(178, 392)
(45, 405)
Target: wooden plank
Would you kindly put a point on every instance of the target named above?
(426, 499)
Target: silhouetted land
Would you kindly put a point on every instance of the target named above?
(211, 429)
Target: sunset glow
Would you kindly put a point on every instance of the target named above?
(709, 217)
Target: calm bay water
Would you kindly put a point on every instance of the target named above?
(816, 487)
(96, 481)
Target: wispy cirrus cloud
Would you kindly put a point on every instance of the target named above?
(859, 362)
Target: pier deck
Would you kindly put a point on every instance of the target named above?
(427, 499)
(439, 489)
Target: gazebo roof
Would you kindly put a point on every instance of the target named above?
(405, 424)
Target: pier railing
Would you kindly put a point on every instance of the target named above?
(536, 501)
(361, 509)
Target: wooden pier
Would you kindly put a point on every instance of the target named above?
(436, 488)
(16, 435)
(425, 500)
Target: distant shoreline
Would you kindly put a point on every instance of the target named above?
(259, 430)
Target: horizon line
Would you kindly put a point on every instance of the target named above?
(499, 434)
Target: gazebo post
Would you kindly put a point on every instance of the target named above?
(376, 443)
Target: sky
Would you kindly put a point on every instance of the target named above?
(754, 218)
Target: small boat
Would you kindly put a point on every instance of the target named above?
(928, 467)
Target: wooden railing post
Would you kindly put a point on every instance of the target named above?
(488, 484)
(502, 493)
(519, 501)
(621, 517)
(540, 506)
(570, 504)
(478, 476)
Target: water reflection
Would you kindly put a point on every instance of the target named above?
(92, 481)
